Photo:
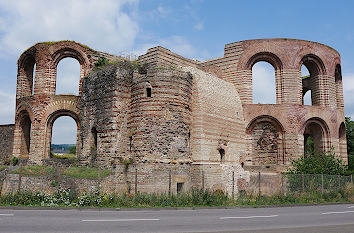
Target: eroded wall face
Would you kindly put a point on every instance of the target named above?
(137, 117)
(6, 141)
(265, 144)
(161, 115)
(105, 106)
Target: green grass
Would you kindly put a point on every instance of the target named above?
(64, 156)
(34, 170)
(85, 172)
(3, 167)
(195, 198)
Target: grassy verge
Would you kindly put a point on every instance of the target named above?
(34, 170)
(196, 198)
(74, 172)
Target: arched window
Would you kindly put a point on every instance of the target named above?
(148, 89)
(27, 76)
(342, 141)
(306, 92)
(311, 69)
(33, 78)
(339, 87)
(315, 136)
(94, 137)
(64, 133)
(68, 77)
(263, 83)
(25, 127)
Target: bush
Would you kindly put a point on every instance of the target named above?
(315, 163)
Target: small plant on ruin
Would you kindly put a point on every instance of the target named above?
(14, 161)
(102, 61)
(126, 162)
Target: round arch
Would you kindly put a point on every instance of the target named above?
(316, 68)
(69, 52)
(264, 118)
(266, 134)
(276, 63)
(318, 129)
(342, 141)
(49, 126)
(339, 86)
(269, 57)
(26, 74)
(314, 64)
(23, 132)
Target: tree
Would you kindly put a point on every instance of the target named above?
(349, 130)
(72, 150)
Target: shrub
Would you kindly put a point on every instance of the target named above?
(315, 163)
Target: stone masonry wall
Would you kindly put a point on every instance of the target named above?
(105, 109)
(6, 141)
(160, 121)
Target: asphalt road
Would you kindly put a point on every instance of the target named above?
(327, 218)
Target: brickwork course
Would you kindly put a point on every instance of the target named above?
(165, 112)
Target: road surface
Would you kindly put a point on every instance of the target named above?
(326, 218)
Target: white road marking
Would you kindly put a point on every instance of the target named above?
(243, 217)
(343, 212)
(350, 207)
(6, 214)
(120, 220)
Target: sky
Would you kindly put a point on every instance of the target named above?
(195, 29)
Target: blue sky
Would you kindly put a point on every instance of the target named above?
(194, 28)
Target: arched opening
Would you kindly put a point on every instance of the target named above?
(62, 135)
(315, 137)
(68, 77)
(27, 71)
(33, 78)
(306, 93)
(263, 83)
(94, 145)
(339, 87)
(148, 89)
(25, 135)
(342, 141)
(148, 92)
(311, 69)
(266, 136)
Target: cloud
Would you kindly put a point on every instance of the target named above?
(199, 26)
(163, 11)
(103, 25)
